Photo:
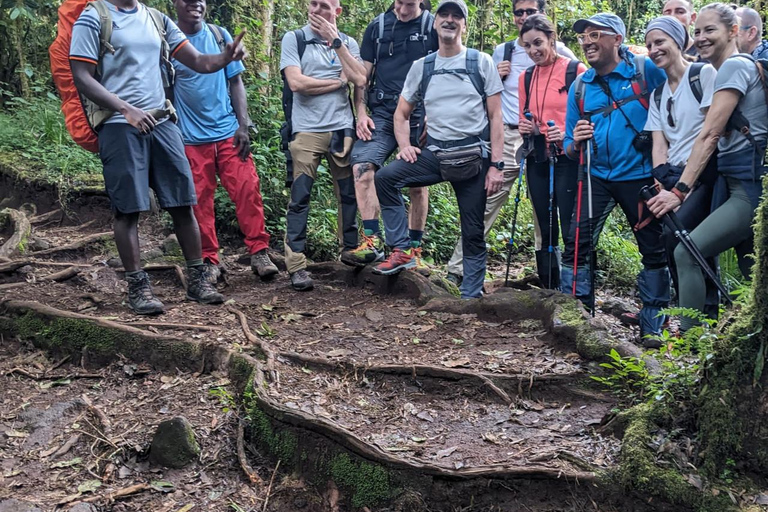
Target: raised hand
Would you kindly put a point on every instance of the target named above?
(236, 49)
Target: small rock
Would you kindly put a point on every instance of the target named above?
(618, 307)
(114, 262)
(171, 246)
(152, 254)
(174, 444)
(38, 244)
(17, 506)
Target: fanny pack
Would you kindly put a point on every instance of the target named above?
(668, 175)
(460, 164)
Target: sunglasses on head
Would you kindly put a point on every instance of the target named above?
(529, 12)
(670, 119)
(593, 37)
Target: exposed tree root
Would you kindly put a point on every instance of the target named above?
(120, 493)
(77, 245)
(62, 275)
(29, 375)
(264, 347)
(168, 325)
(45, 217)
(17, 242)
(244, 464)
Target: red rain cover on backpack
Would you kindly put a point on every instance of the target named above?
(71, 105)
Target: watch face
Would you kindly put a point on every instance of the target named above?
(336, 43)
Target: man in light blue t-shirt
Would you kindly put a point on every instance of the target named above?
(213, 117)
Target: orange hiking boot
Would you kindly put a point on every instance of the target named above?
(422, 267)
(398, 261)
(370, 251)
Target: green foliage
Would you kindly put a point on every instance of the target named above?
(225, 397)
(627, 377)
(369, 483)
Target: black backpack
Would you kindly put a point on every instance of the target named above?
(694, 79)
(571, 72)
(286, 129)
(509, 49)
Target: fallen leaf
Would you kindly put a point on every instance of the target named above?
(455, 363)
(186, 508)
(67, 463)
(491, 438)
(698, 483)
(339, 352)
(760, 499)
(373, 315)
(161, 486)
(165, 379)
(69, 499)
(291, 317)
(12, 473)
(424, 415)
(267, 307)
(447, 452)
(88, 486)
(16, 433)
(458, 465)
(418, 439)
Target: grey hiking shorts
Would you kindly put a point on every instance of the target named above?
(383, 143)
(133, 162)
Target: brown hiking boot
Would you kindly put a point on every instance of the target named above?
(263, 266)
(199, 289)
(141, 299)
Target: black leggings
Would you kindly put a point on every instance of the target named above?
(566, 175)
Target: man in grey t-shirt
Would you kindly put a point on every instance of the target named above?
(138, 147)
(323, 125)
(460, 118)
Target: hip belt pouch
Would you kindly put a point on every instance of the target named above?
(460, 164)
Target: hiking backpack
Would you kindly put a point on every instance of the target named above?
(694, 80)
(639, 87)
(82, 116)
(286, 129)
(571, 73)
(509, 49)
(427, 20)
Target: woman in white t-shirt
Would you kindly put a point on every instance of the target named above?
(738, 101)
(675, 118)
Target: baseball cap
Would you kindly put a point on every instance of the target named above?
(458, 3)
(602, 20)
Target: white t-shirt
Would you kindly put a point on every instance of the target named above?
(454, 108)
(510, 98)
(687, 113)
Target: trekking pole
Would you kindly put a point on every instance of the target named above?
(550, 250)
(579, 194)
(511, 243)
(673, 223)
(592, 247)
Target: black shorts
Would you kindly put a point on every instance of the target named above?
(383, 143)
(134, 162)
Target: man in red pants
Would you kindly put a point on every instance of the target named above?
(213, 118)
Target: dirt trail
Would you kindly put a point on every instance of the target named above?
(448, 393)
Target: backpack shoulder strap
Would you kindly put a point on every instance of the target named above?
(105, 24)
(301, 41)
(578, 92)
(473, 70)
(656, 95)
(427, 72)
(380, 26)
(427, 20)
(570, 73)
(694, 80)
(527, 85)
(509, 49)
(639, 82)
(218, 33)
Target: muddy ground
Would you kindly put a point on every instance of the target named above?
(344, 354)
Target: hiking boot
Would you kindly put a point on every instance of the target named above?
(201, 290)
(140, 297)
(422, 267)
(455, 278)
(399, 260)
(211, 272)
(263, 266)
(301, 281)
(370, 251)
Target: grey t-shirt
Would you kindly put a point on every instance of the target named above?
(133, 71)
(452, 105)
(740, 74)
(321, 112)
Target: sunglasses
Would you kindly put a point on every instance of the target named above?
(670, 119)
(529, 12)
(593, 37)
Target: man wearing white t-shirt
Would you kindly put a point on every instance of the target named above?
(511, 61)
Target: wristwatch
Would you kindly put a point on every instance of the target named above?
(499, 165)
(336, 44)
(682, 187)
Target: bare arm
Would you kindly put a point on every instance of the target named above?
(660, 148)
(354, 70)
(402, 129)
(240, 105)
(83, 75)
(495, 178)
(303, 84)
(364, 123)
(210, 63)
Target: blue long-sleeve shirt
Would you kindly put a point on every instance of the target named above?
(613, 156)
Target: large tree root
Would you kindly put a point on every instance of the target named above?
(77, 245)
(17, 243)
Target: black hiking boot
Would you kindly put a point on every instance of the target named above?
(212, 272)
(201, 290)
(140, 297)
(301, 281)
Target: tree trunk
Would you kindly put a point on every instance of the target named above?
(17, 29)
(733, 404)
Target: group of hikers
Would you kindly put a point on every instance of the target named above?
(679, 126)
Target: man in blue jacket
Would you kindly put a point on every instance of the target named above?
(608, 105)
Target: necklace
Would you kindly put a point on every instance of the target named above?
(540, 104)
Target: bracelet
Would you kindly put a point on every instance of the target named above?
(679, 194)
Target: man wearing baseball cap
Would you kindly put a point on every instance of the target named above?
(608, 107)
(460, 89)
